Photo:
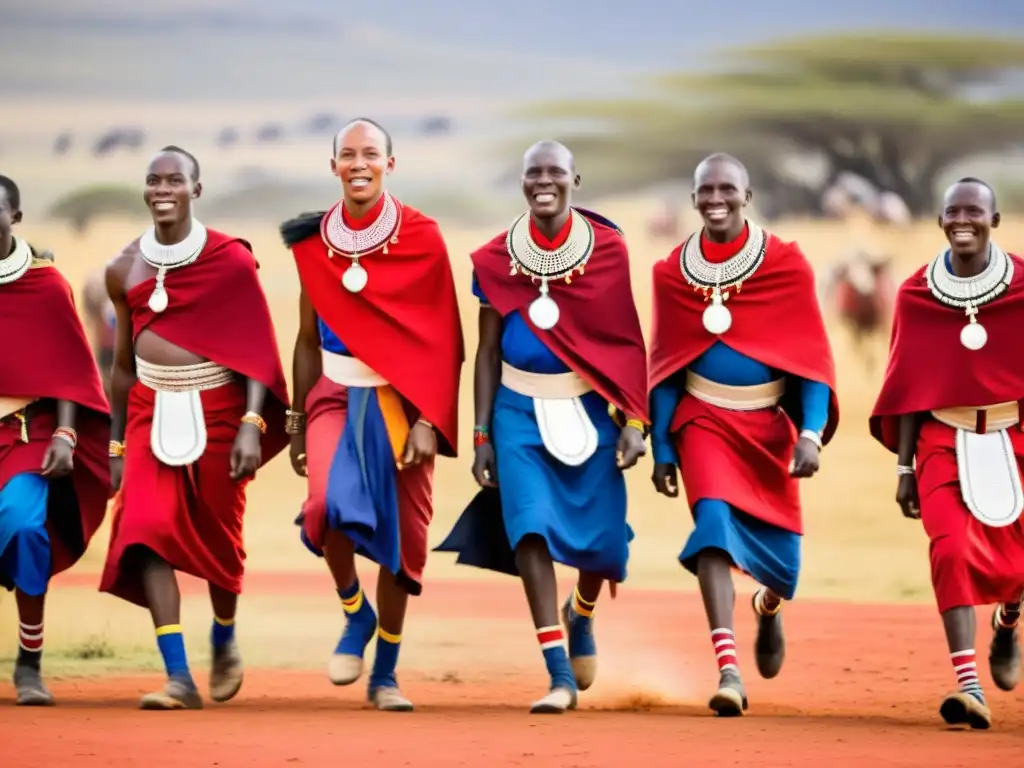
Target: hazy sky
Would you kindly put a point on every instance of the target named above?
(258, 49)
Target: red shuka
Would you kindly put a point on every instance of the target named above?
(742, 457)
(46, 356)
(192, 516)
(928, 369)
(405, 323)
(218, 310)
(598, 334)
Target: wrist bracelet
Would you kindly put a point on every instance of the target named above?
(813, 436)
(481, 436)
(294, 422)
(115, 449)
(903, 469)
(251, 417)
(68, 435)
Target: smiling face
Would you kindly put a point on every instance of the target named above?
(721, 192)
(361, 162)
(549, 178)
(170, 189)
(968, 216)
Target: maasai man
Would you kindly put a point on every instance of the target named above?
(739, 363)
(561, 411)
(198, 406)
(950, 399)
(54, 428)
(379, 340)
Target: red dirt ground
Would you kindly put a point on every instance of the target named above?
(861, 685)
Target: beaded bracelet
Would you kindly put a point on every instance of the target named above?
(295, 422)
(481, 436)
(251, 417)
(68, 435)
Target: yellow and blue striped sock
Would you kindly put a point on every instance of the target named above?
(384, 663)
(172, 647)
(223, 631)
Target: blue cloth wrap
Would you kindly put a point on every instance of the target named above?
(362, 486)
(25, 558)
(579, 511)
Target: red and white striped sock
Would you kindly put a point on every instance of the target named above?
(30, 642)
(725, 650)
(966, 667)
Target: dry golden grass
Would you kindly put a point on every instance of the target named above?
(857, 545)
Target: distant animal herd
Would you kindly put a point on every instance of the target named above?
(130, 138)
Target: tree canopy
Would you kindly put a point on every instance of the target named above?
(896, 110)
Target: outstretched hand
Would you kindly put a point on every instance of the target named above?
(59, 459)
(907, 498)
(666, 480)
(630, 448)
(806, 458)
(484, 466)
(420, 446)
(246, 454)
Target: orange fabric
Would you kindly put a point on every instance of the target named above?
(326, 411)
(395, 420)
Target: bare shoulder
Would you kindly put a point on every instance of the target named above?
(115, 274)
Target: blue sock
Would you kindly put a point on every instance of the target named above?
(223, 632)
(385, 661)
(551, 641)
(581, 627)
(172, 647)
(360, 621)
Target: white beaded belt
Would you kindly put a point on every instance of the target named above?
(350, 371)
(544, 386)
(987, 418)
(182, 378)
(734, 398)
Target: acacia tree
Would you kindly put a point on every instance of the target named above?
(894, 109)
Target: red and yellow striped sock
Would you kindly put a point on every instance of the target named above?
(351, 599)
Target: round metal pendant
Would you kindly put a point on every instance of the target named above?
(973, 336)
(355, 278)
(717, 318)
(544, 313)
(158, 300)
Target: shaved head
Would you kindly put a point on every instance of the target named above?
(977, 182)
(555, 150)
(719, 159)
(339, 136)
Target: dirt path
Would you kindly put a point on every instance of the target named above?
(862, 686)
